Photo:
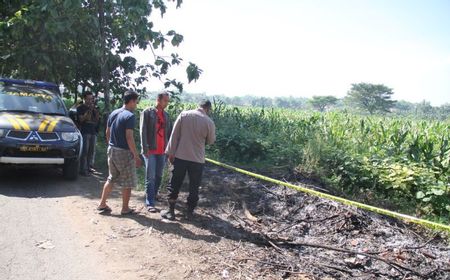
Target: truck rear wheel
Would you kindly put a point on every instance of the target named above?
(71, 168)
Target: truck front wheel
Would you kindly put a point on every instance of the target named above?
(71, 168)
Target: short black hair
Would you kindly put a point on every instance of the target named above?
(130, 95)
(162, 94)
(205, 104)
(86, 93)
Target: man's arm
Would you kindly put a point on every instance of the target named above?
(107, 134)
(143, 132)
(81, 116)
(211, 138)
(96, 114)
(130, 141)
(174, 139)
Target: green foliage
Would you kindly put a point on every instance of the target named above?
(241, 146)
(322, 102)
(370, 97)
(193, 72)
(404, 161)
(74, 42)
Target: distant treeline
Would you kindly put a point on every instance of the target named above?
(400, 108)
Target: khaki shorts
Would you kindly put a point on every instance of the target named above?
(122, 168)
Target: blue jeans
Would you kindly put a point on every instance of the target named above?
(154, 166)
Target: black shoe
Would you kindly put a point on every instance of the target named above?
(152, 209)
(168, 214)
(190, 215)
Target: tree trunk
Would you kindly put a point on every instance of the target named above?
(75, 89)
(103, 58)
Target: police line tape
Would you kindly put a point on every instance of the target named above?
(429, 224)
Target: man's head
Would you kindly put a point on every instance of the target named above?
(205, 104)
(130, 99)
(88, 98)
(162, 100)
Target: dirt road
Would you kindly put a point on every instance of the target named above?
(37, 239)
(51, 230)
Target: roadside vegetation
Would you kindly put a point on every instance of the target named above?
(397, 162)
(403, 161)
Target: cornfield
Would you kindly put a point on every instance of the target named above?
(402, 163)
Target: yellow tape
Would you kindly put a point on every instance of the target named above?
(360, 205)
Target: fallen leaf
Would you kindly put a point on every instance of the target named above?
(46, 244)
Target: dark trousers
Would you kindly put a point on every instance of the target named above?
(88, 152)
(194, 171)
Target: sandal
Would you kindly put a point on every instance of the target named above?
(104, 209)
(129, 212)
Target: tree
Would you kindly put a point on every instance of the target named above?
(322, 102)
(371, 97)
(424, 109)
(236, 100)
(444, 111)
(404, 107)
(281, 102)
(88, 42)
(39, 39)
(264, 102)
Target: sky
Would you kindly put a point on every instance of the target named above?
(312, 47)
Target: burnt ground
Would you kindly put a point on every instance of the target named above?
(51, 230)
(291, 235)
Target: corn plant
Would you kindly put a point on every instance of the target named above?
(396, 158)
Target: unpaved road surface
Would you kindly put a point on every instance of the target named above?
(37, 239)
(51, 230)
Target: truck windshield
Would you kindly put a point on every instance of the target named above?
(23, 98)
